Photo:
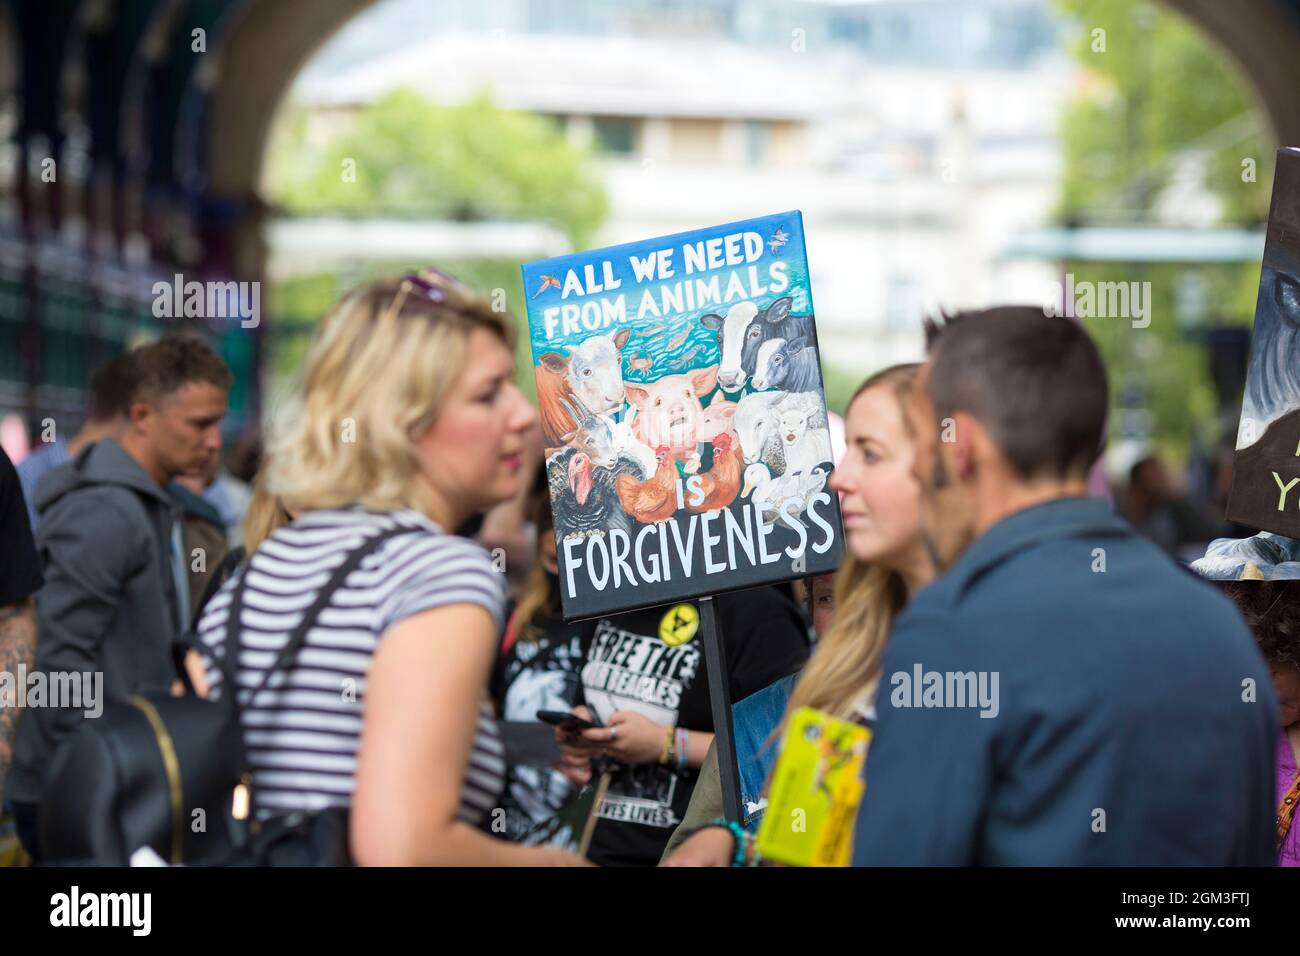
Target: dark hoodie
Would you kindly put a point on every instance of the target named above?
(109, 602)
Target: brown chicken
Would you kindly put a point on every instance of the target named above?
(721, 483)
(654, 499)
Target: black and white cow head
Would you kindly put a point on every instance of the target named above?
(741, 333)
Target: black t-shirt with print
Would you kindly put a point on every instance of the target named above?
(652, 662)
(535, 673)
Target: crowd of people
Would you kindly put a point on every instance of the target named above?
(399, 519)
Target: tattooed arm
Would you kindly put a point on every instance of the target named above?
(17, 647)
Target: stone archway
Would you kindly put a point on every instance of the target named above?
(1262, 38)
(269, 43)
(263, 49)
(260, 55)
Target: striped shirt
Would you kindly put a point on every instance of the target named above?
(301, 733)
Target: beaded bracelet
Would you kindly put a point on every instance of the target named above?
(738, 835)
(666, 754)
(683, 740)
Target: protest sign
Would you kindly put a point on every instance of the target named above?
(1266, 470)
(684, 416)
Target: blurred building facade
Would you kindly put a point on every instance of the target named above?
(917, 137)
(133, 133)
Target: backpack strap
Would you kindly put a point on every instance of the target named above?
(299, 636)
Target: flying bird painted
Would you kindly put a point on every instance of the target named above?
(548, 282)
(779, 239)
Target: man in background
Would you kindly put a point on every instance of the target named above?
(115, 598)
(1163, 514)
(1063, 694)
(109, 393)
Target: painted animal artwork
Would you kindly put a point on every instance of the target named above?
(745, 328)
(686, 434)
(1266, 469)
(669, 409)
(788, 365)
(592, 371)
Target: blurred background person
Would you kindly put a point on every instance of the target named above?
(539, 668)
(229, 497)
(115, 598)
(886, 563)
(110, 395)
(1272, 611)
(1045, 592)
(657, 747)
(1162, 513)
(204, 541)
(234, 488)
(510, 529)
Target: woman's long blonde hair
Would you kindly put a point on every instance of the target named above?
(845, 667)
(378, 369)
(265, 515)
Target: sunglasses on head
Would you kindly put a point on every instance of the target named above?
(430, 284)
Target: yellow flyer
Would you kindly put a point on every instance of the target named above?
(815, 791)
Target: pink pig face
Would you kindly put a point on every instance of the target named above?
(717, 420)
(669, 409)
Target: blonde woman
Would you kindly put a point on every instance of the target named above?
(886, 563)
(406, 423)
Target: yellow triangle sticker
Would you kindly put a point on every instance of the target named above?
(679, 624)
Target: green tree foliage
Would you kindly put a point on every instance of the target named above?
(1154, 89)
(403, 156)
(417, 159)
(1155, 93)
(299, 303)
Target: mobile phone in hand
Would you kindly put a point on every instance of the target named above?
(568, 721)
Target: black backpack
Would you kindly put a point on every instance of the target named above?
(171, 773)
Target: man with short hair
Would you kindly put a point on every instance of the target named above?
(1063, 694)
(110, 393)
(115, 597)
